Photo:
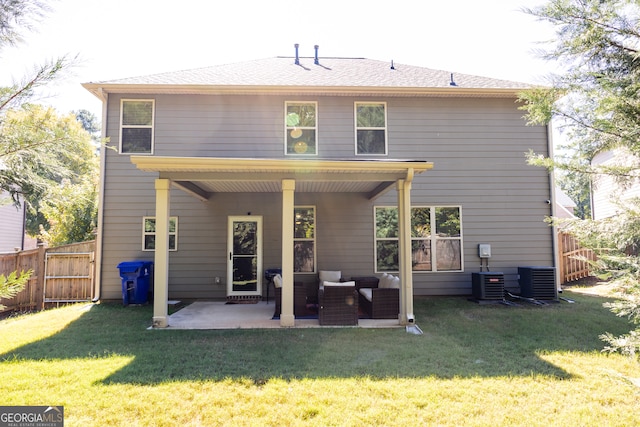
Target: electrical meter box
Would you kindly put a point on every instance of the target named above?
(484, 250)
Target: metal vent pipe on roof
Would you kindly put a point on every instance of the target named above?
(315, 61)
(297, 58)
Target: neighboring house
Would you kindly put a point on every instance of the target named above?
(308, 164)
(12, 224)
(565, 207)
(606, 191)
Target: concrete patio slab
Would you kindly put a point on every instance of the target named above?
(220, 315)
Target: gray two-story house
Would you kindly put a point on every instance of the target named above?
(314, 163)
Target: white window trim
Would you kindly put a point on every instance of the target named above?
(286, 128)
(152, 126)
(145, 233)
(304, 239)
(433, 239)
(356, 128)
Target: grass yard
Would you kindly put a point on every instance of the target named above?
(475, 365)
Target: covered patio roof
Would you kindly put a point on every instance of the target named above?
(205, 176)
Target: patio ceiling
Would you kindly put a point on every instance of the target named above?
(203, 176)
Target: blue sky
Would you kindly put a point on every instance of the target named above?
(118, 38)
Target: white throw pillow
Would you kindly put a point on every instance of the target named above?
(385, 280)
(395, 283)
(277, 281)
(330, 276)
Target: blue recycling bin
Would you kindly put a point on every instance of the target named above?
(136, 276)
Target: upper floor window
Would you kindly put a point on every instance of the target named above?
(301, 125)
(371, 127)
(436, 238)
(136, 126)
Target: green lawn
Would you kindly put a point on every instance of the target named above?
(475, 365)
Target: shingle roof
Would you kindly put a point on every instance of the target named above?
(332, 74)
(344, 72)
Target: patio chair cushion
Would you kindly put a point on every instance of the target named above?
(330, 276)
(326, 283)
(367, 293)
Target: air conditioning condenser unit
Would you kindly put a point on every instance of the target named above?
(487, 285)
(538, 283)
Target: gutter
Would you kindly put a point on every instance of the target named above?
(100, 89)
(554, 230)
(103, 158)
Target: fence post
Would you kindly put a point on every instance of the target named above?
(39, 294)
(561, 251)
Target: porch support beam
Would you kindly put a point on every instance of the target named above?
(161, 260)
(404, 256)
(193, 189)
(287, 317)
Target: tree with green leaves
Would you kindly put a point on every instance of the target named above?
(11, 285)
(596, 102)
(38, 149)
(45, 155)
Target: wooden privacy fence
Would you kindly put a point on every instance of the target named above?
(61, 274)
(573, 258)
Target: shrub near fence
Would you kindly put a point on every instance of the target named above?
(60, 274)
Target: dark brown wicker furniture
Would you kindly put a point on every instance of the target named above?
(385, 302)
(338, 305)
(299, 300)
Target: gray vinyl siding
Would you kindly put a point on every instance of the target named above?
(477, 145)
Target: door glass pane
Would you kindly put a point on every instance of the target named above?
(245, 269)
(245, 274)
(244, 238)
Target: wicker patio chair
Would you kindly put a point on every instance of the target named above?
(378, 302)
(338, 304)
(299, 298)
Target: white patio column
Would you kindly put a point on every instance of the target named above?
(404, 254)
(287, 317)
(161, 260)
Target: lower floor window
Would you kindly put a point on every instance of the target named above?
(436, 238)
(149, 233)
(304, 239)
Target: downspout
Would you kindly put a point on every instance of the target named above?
(554, 230)
(97, 261)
